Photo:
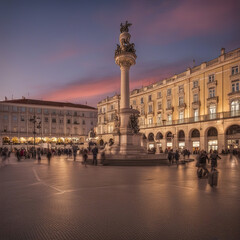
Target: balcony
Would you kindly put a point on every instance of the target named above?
(212, 84)
(195, 89)
(234, 76)
(212, 100)
(201, 118)
(169, 109)
(196, 104)
(182, 106)
(234, 95)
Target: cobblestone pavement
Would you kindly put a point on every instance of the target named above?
(69, 201)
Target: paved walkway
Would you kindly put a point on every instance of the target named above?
(69, 201)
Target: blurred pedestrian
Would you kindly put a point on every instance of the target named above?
(95, 152)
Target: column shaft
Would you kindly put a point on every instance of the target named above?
(124, 87)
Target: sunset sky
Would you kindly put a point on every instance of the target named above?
(64, 50)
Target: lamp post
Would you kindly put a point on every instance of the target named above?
(36, 124)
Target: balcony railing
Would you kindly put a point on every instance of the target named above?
(202, 118)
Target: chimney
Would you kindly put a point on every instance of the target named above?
(5, 98)
(222, 51)
(23, 97)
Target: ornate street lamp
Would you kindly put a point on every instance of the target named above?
(36, 124)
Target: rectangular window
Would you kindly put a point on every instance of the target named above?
(180, 89)
(39, 110)
(149, 98)
(5, 117)
(159, 105)
(235, 70)
(159, 95)
(46, 120)
(5, 108)
(212, 111)
(68, 121)
(134, 102)
(142, 111)
(169, 92)
(142, 101)
(30, 110)
(54, 120)
(195, 114)
(169, 118)
(14, 118)
(195, 98)
(150, 108)
(23, 109)
(15, 109)
(235, 86)
(195, 84)
(181, 117)
(169, 104)
(83, 122)
(150, 121)
(180, 101)
(103, 109)
(60, 120)
(75, 113)
(211, 92)
(22, 118)
(45, 111)
(159, 118)
(211, 78)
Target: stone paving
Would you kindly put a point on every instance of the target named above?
(65, 200)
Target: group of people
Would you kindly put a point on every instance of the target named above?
(203, 159)
(175, 156)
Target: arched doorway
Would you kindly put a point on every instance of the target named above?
(233, 136)
(151, 143)
(181, 139)
(195, 139)
(169, 138)
(212, 139)
(159, 138)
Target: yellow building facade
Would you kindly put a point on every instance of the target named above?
(196, 109)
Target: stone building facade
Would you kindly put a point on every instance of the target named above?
(56, 122)
(196, 109)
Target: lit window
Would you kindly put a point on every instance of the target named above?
(150, 121)
(181, 115)
(83, 122)
(169, 117)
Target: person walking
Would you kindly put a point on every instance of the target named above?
(49, 155)
(170, 157)
(85, 156)
(39, 155)
(177, 156)
(95, 152)
(214, 157)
